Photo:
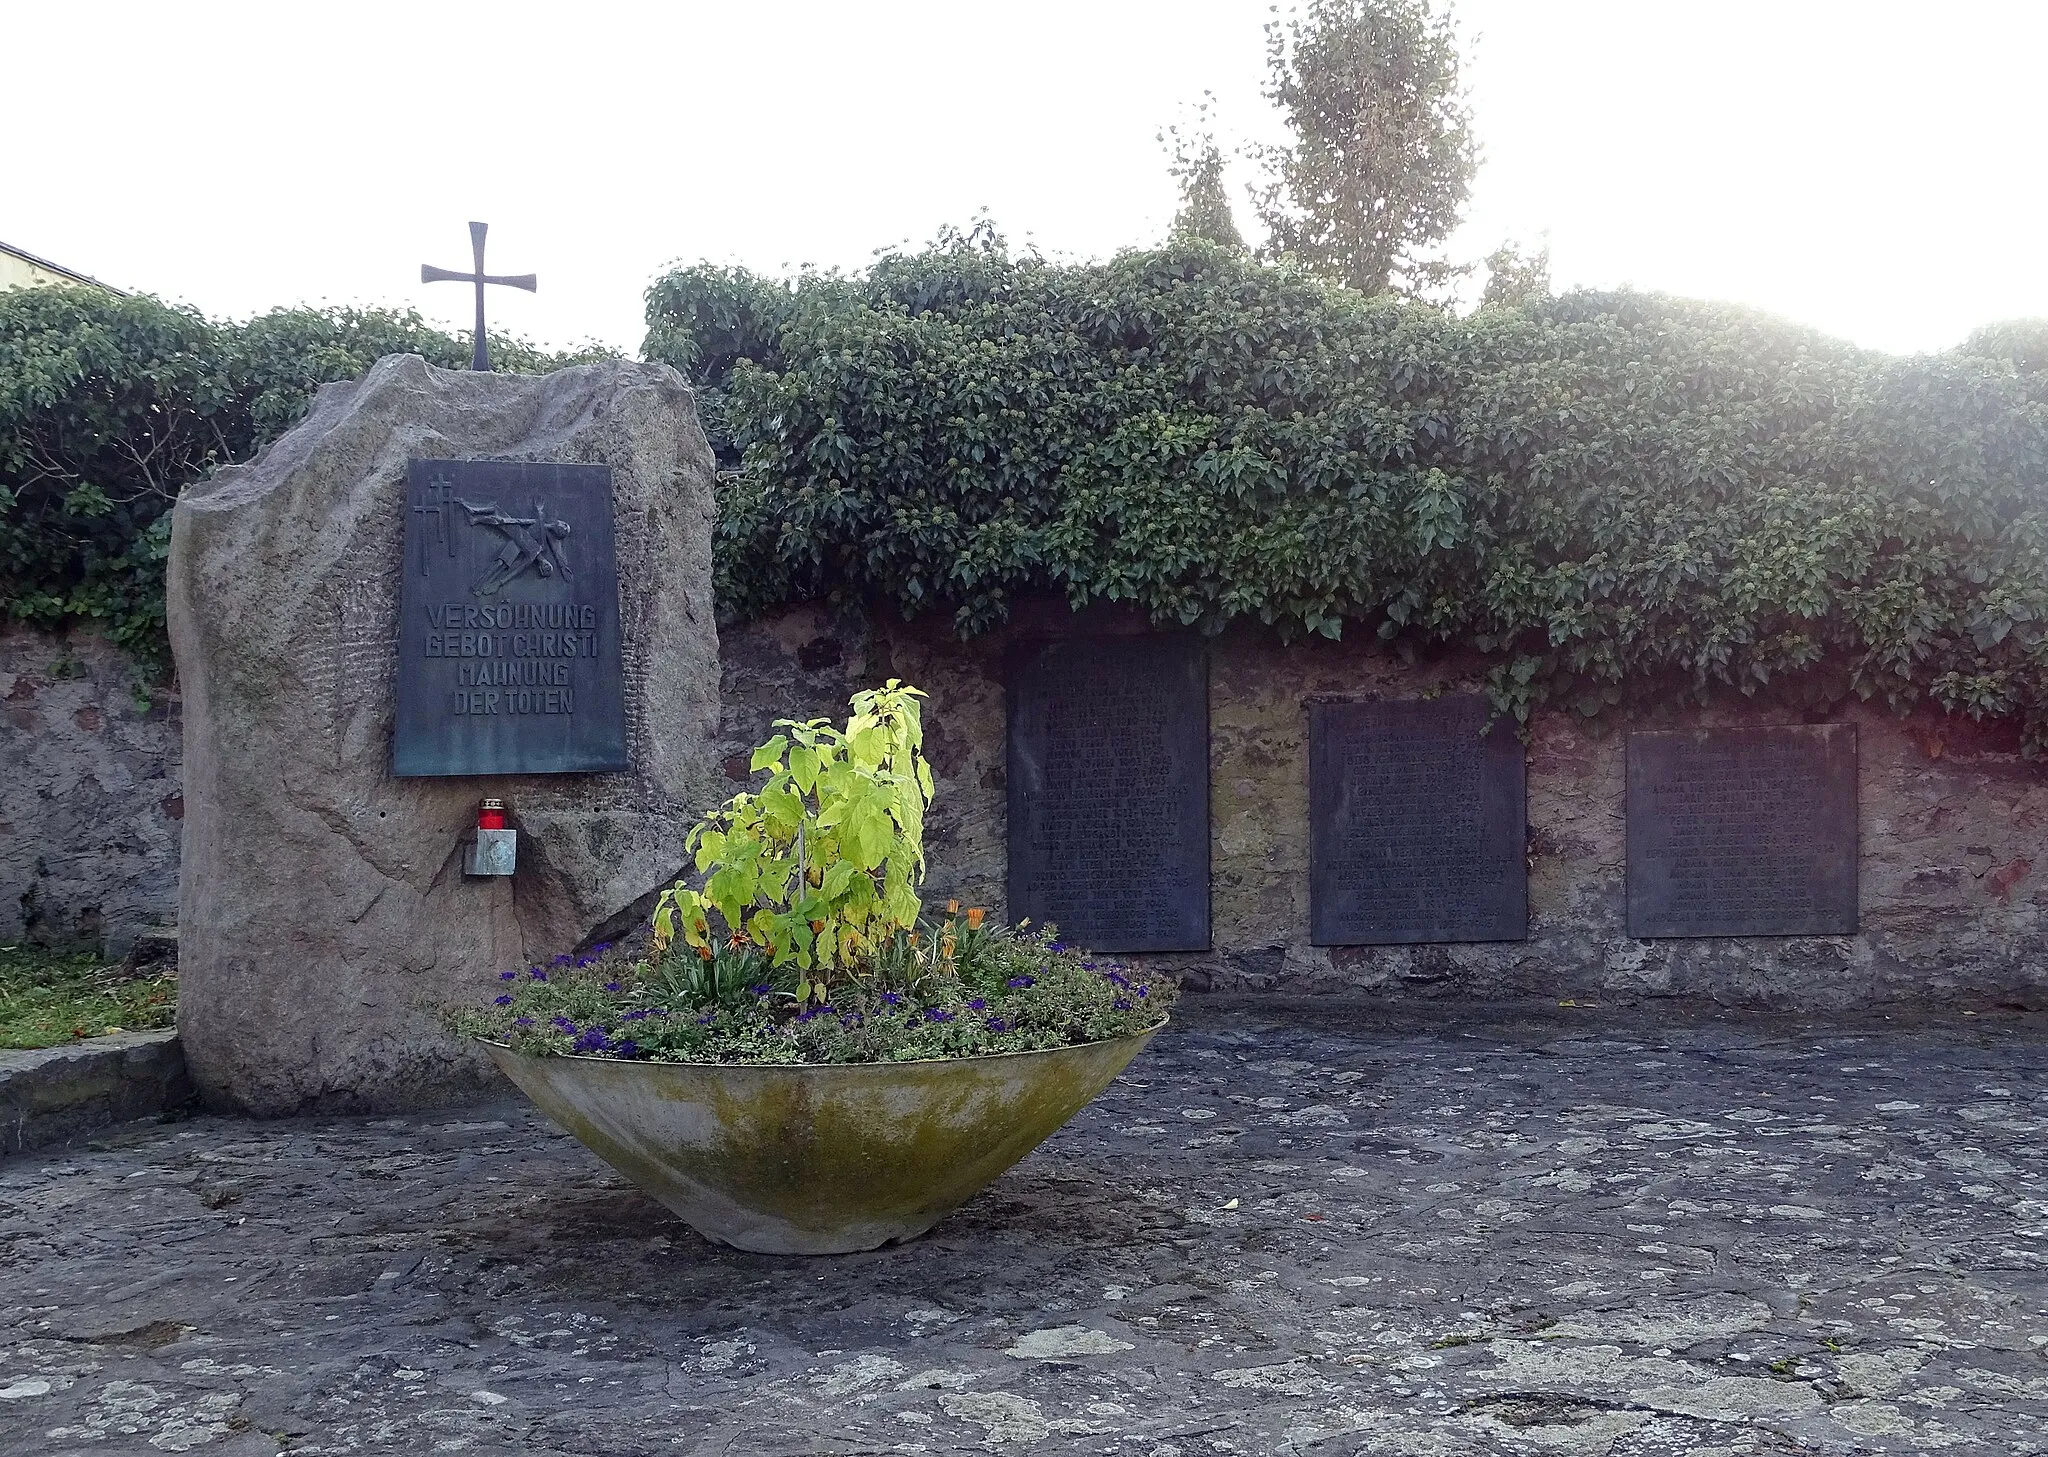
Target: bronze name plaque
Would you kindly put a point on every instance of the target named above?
(1417, 824)
(1109, 791)
(1743, 832)
(508, 643)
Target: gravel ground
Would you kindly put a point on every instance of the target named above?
(1304, 1228)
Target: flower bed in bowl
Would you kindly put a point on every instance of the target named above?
(805, 1062)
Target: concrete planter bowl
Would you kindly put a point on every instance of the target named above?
(817, 1160)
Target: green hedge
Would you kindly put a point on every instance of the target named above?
(1614, 496)
(109, 405)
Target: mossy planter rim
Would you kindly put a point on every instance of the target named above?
(817, 1157)
(786, 1066)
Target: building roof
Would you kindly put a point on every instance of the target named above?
(59, 269)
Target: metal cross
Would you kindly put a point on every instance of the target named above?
(481, 360)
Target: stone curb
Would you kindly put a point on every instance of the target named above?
(55, 1094)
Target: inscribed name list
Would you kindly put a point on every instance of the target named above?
(1109, 791)
(1743, 832)
(1417, 824)
(508, 647)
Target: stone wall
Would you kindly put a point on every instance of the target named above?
(90, 801)
(1954, 868)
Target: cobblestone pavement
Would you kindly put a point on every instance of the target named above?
(1309, 1229)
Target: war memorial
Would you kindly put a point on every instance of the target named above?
(1149, 857)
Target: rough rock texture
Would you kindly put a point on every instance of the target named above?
(55, 1094)
(323, 901)
(1954, 871)
(1329, 1230)
(90, 801)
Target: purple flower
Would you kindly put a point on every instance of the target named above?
(536, 973)
(562, 960)
(977, 1005)
(707, 1019)
(995, 1024)
(1115, 978)
(611, 986)
(639, 1016)
(892, 999)
(1145, 991)
(1022, 981)
(502, 1001)
(508, 976)
(593, 1041)
(938, 1014)
(523, 1022)
(600, 948)
(627, 1048)
(1057, 946)
(562, 1022)
(762, 990)
(1122, 1004)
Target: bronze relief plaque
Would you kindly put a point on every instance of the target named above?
(1743, 832)
(509, 660)
(1109, 791)
(1417, 824)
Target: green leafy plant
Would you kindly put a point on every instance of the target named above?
(1607, 499)
(806, 943)
(110, 405)
(1381, 159)
(818, 868)
(994, 990)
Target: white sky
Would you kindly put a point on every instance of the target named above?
(1875, 169)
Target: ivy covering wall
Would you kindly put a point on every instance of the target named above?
(1614, 496)
(109, 405)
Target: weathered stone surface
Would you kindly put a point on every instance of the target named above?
(90, 801)
(1953, 875)
(56, 1094)
(323, 901)
(1327, 1229)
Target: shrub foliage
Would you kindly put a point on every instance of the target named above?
(1610, 495)
(109, 405)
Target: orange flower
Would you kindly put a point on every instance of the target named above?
(974, 915)
(703, 953)
(953, 908)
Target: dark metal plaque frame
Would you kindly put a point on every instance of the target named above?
(509, 660)
(1743, 832)
(1109, 791)
(1418, 824)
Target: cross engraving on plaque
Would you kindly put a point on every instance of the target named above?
(437, 502)
(480, 360)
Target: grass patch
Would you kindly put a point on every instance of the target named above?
(48, 998)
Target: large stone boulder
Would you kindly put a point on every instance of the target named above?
(323, 906)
